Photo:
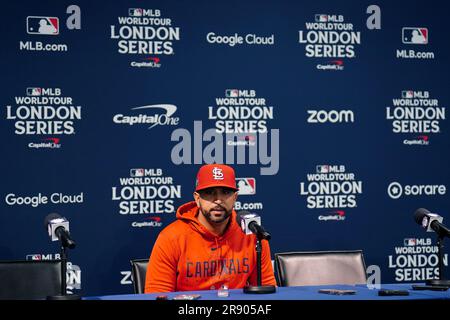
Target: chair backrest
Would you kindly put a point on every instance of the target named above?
(28, 280)
(320, 268)
(138, 271)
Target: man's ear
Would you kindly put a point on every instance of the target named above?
(196, 199)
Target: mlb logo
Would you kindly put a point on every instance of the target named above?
(34, 91)
(43, 25)
(416, 35)
(137, 172)
(323, 169)
(407, 94)
(321, 17)
(135, 12)
(232, 93)
(246, 186)
(34, 257)
(409, 242)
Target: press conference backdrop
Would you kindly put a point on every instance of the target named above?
(333, 114)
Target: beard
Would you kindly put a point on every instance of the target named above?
(217, 214)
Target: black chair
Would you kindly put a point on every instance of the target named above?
(320, 268)
(29, 280)
(138, 271)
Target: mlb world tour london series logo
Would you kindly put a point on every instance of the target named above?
(331, 187)
(416, 260)
(241, 134)
(241, 111)
(145, 32)
(415, 113)
(146, 191)
(329, 37)
(43, 111)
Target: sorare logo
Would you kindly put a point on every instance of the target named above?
(43, 25)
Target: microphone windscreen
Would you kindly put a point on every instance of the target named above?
(240, 215)
(50, 217)
(419, 214)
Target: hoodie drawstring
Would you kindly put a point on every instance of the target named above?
(217, 246)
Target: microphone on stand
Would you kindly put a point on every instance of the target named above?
(58, 229)
(251, 224)
(433, 222)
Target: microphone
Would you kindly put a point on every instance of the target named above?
(251, 223)
(431, 222)
(58, 229)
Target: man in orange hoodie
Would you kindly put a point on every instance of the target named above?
(205, 248)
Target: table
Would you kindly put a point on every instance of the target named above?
(298, 293)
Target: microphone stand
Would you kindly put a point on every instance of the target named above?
(259, 288)
(441, 281)
(64, 295)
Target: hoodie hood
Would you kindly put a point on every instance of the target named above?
(188, 213)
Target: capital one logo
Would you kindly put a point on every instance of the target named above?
(154, 119)
(217, 173)
(396, 190)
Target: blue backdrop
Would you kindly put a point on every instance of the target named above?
(335, 111)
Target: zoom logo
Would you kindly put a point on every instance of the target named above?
(396, 190)
(333, 116)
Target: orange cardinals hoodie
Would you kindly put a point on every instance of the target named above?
(188, 257)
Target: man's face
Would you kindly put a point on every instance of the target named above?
(216, 203)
